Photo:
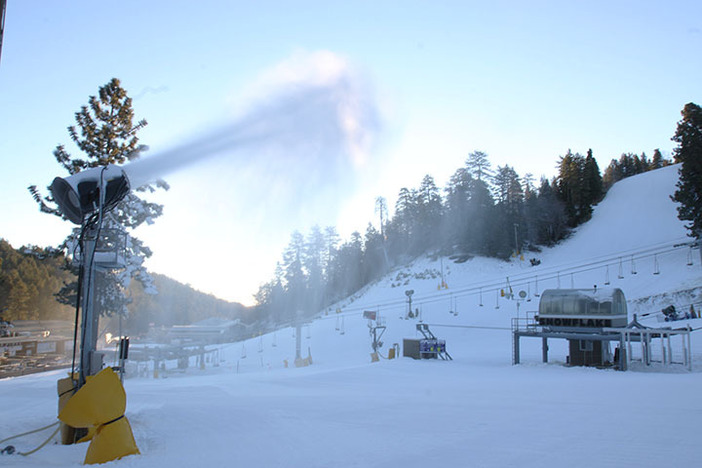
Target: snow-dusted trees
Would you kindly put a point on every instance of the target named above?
(105, 132)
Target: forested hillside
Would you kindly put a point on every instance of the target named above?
(176, 304)
(481, 211)
(31, 276)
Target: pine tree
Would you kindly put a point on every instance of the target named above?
(106, 134)
(455, 221)
(294, 275)
(373, 258)
(429, 212)
(403, 227)
(313, 262)
(479, 166)
(689, 152)
(480, 211)
(592, 182)
(570, 185)
(657, 161)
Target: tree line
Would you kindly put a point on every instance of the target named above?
(481, 211)
(31, 279)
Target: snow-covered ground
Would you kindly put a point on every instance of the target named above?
(477, 410)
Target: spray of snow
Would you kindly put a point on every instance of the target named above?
(311, 111)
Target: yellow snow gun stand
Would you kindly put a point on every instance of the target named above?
(99, 405)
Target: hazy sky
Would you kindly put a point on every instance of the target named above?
(521, 81)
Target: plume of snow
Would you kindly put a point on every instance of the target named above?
(311, 116)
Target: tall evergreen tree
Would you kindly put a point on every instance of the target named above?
(570, 185)
(480, 211)
(429, 208)
(592, 180)
(479, 166)
(294, 275)
(313, 262)
(510, 197)
(689, 152)
(455, 223)
(373, 258)
(579, 186)
(106, 134)
(403, 227)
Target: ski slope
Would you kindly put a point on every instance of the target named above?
(477, 410)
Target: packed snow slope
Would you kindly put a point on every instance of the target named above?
(477, 410)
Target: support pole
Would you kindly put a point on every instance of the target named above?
(89, 319)
(689, 348)
(515, 342)
(544, 349)
(90, 360)
(298, 342)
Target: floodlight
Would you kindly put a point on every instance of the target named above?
(79, 195)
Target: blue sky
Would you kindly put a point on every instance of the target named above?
(521, 81)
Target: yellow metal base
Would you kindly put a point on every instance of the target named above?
(99, 405)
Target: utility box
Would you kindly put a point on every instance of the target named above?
(410, 348)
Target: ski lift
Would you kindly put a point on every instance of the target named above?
(481, 297)
(341, 330)
(274, 344)
(536, 286)
(308, 335)
(633, 266)
(689, 257)
(338, 322)
(452, 306)
(656, 266)
(572, 283)
(243, 351)
(621, 269)
(497, 298)
(606, 281)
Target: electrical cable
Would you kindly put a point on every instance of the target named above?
(79, 293)
(11, 449)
